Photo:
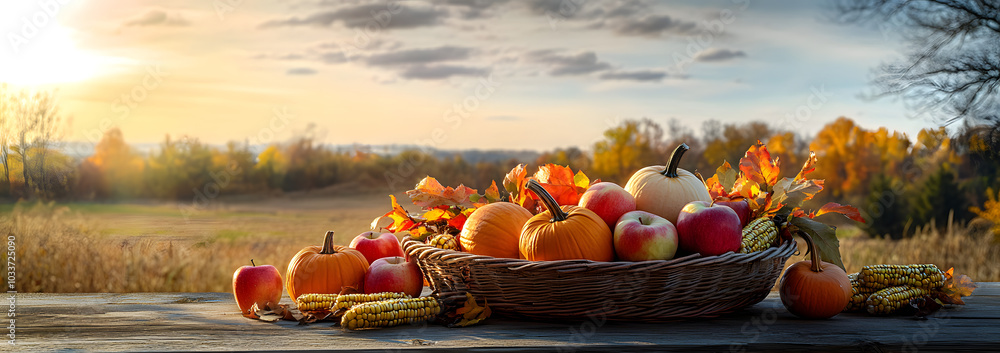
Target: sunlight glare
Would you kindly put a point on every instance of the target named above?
(51, 57)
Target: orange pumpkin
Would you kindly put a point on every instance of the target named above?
(567, 233)
(325, 269)
(814, 289)
(664, 190)
(494, 230)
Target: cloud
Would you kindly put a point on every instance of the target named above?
(716, 55)
(333, 57)
(157, 17)
(419, 56)
(652, 26)
(567, 65)
(640, 75)
(300, 71)
(375, 16)
(437, 72)
(473, 9)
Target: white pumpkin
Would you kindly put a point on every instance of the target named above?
(664, 190)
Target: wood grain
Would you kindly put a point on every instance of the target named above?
(210, 321)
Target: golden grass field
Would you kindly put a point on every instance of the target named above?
(153, 248)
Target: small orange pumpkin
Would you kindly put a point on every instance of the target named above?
(325, 269)
(814, 289)
(567, 233)
(494, 230)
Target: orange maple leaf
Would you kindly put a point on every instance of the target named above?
(757, 165)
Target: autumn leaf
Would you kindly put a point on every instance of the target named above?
(726, 176)
(956, 287)
(808, 167)
(470, 313)
(758, 167)
(925, 306)
(430, 193)
(401, 220)
(795, 191)
(846, 210)
(560, 181)
(491, 195)
(832, 207)
(272, 312)
(823, 235)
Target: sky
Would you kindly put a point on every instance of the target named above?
(455, 74)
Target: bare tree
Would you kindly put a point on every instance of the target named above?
(951, 70)
(5, 126)
(35, 126)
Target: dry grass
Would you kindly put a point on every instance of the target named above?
(971, 249)
(151, 249)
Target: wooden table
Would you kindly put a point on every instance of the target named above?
(210, 321)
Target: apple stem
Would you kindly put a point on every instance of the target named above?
(550, 203)
(813, 252)
(252, 264)
(675, 161)
(328, 244)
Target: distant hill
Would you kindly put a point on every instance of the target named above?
(80, 150)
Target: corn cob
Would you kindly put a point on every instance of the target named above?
(759, 235)
(391, 312)
(859, 294)
(445, 241)
(347, 301)
(315, 302)
(878, 277)
(889, 300)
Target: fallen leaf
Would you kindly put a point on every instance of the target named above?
(470, 313)
(925, 306)
(956, 287)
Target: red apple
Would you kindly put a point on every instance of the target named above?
(708, 229)
(394, 274)
(742, 208)
(256, 284)
(375, 245)
(642, 236)
(609, 201)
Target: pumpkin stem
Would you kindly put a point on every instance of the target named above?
(675, 161)
(549, 202)
(328, 244)
(817, 263)
(252, 264)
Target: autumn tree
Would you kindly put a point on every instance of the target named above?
(179, 169)
(627, 148)
(571, 156)
(119, 168)
(952, 64)
(729, 142)
(846, 160)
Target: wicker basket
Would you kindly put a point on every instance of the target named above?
(690, 286)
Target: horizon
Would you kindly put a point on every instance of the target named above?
(375, 73)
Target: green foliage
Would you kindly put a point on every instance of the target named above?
(885, 208)
(938, 196)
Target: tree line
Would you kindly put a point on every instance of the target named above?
(894, 179)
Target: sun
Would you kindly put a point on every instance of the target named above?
(50, 57)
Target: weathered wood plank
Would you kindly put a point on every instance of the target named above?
(209, 321)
